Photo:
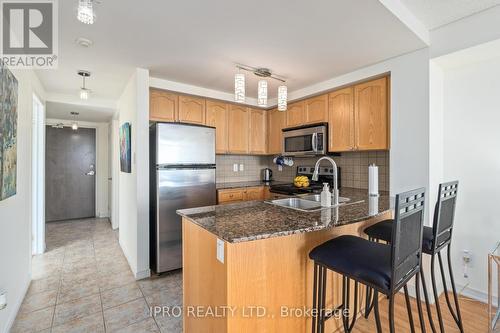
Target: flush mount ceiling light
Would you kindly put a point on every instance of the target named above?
(84, 92)
(239, 85)
(75, 124)
(86, 12)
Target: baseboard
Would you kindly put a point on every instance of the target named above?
(143, 274)
(17, 306)
(474, 294)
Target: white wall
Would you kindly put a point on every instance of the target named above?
(471, 155)
(115, 171)
(15, 212)
(102, 162)
(133, 107)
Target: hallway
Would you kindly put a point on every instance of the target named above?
(83, 284)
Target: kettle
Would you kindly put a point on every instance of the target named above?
(267, 175)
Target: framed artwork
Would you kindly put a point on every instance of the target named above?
(8, 133)
(125, 148)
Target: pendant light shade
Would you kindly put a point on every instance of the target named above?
(86, 12)
(282, 97)
(239, 88)
(84, 94)
(262, 93)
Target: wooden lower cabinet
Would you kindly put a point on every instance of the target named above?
(269, 273)
(232, 195)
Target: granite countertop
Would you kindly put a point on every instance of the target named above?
(228, 185)
(253, 220)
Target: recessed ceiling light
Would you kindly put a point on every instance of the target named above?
(84, 42)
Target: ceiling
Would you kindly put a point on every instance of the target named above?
(436, 13)
(87, 113)
(198, 42)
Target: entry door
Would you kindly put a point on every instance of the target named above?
(69, 173)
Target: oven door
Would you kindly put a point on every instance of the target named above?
(304, 141)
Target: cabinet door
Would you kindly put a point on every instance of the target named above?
(192, 110)
(230, 195)
(163, 105)
(295, 114)
(275, 124)
(316, 109)
(371, 115)
(257, 140)
(238, 123)
(341, 120)
(216, 116)
(254, 193)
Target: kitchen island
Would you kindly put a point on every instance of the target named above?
(246, 265)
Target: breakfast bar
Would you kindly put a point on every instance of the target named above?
(246, 266)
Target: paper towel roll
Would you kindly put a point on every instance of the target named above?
(373, 180)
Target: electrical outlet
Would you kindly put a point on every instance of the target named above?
(235, 167)
(242, 167)
(466, 257)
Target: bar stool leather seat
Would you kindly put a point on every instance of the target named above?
(358, 258)
(383, 231)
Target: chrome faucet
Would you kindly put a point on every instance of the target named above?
(335, 179)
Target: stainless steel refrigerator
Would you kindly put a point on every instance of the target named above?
(182, 175)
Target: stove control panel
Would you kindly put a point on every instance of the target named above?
(309, 170)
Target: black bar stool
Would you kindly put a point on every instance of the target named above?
(441, 231)
(384, 268)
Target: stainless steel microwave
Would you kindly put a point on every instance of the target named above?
(305, 141)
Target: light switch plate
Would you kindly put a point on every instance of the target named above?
(220, 250)
(235, 167)
(242, 167)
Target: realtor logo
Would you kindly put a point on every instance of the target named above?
(29, 33)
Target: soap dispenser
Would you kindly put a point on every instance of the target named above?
(326, 196)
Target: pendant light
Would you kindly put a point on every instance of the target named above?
(262, 93)
(239, 88)
(86, 12)
(74, 126)
(84, 92)
(282, 98)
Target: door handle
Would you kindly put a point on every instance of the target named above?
(90, 173)
(314, 143)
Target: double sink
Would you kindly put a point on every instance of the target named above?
(307, 203)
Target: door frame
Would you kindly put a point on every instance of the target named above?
(38, 176)
(98, 128)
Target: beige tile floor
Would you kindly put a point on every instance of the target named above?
(83, 284)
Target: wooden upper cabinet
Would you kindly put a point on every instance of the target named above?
(295, 114)
(163, 105)
(258, 133)
(216, 116)
(238, 123)
(316, 109)
(371, 115)
(341, 120)
(275, 124)
(191, 110)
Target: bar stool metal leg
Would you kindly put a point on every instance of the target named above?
(369, 292)
(436, 299)
(314, 318)
(391, 314)
(456, 315)
(377, 313)
(408, 308)
(346, 309)
(427, 302)
(419, 304)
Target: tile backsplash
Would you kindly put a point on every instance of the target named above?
(252, 165)
(354, 168)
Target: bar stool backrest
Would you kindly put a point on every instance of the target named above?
(444, 215)
(407, 236)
